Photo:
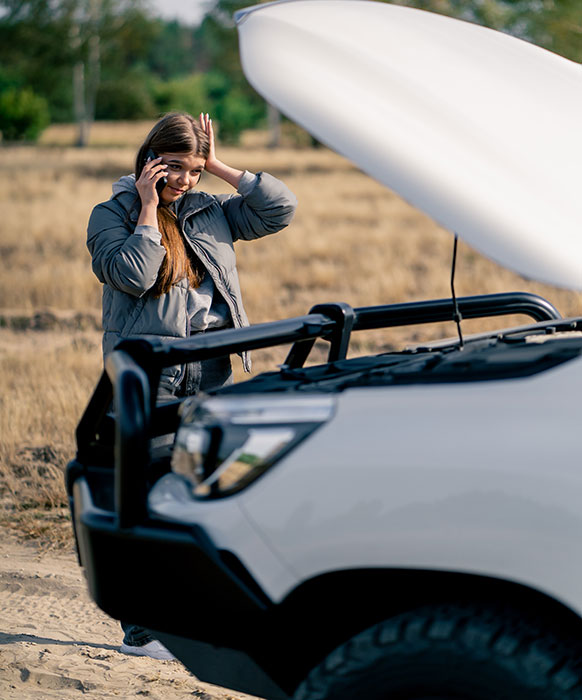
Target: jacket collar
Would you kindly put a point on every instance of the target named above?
(192, 202)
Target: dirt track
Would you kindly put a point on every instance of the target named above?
(56, 643)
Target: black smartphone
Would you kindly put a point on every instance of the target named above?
(162, 182)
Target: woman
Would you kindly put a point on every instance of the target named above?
(167, 260)
(164, 253)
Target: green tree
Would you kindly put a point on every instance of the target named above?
(233, 101)
(186, 94)
(174, 52)
(64, 49)
(23, 115)
(32, 50)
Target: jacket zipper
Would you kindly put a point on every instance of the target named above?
(210, 268)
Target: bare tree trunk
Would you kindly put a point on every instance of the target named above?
(86, 74)
(93, 63)
(79, 88)
(274, 120)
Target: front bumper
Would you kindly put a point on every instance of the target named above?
(172, 580)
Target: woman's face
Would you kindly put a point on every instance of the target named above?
(184, 170)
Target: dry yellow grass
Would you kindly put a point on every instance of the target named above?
(352, 240)
(124, 134)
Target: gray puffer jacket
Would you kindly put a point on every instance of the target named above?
(126, 257)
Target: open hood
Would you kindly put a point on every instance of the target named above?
(479, 130)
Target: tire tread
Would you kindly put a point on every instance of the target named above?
(549, 668)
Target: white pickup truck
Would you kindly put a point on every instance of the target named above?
(405, 525)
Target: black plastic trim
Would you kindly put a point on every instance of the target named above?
(228, 668)
(344, 317)
(438, 310)
(177, 562)
(132, 410)
(171, 579)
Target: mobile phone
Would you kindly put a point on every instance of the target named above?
(162, 182)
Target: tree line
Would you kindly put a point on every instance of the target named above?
(81, 60)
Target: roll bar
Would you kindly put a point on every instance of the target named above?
(132, 370)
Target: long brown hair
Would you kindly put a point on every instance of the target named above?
(176, 132)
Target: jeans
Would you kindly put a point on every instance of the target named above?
(198, 376)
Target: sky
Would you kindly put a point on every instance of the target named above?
(187, 11)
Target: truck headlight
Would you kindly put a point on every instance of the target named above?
(224, 443)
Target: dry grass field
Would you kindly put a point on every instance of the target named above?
(352, 240)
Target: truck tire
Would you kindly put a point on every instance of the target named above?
(446, 653)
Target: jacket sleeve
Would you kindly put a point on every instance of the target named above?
(125, 260)
(267, 208)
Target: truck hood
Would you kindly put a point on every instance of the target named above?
(478, 129)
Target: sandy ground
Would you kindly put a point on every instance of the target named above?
(56, 643)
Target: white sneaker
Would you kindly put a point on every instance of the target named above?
(153, 649)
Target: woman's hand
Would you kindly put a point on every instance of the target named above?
(213, 165)
(152, 172)
(206, 125)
